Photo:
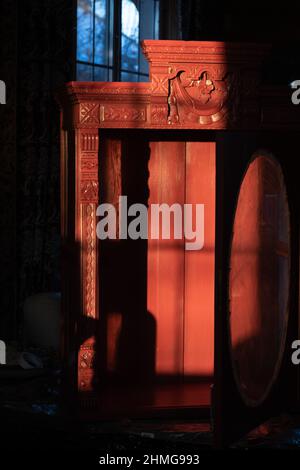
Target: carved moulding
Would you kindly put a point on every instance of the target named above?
(193, 85)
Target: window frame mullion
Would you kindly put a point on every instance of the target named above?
(94, 33)
(117, 34)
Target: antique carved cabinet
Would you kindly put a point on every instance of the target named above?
(150, 327)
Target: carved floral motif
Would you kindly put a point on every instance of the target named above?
(89, 164)
(86, 365)
(89, 191)
(123, 113)
(86, 357)
(89, 113)
(160, 84)
(159, 114)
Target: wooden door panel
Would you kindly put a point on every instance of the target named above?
(180, 281)
(166, 258)
(199, 264)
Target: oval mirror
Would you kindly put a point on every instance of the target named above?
(259, 279)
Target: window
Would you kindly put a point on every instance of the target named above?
(108, 37)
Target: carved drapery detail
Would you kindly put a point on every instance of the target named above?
(196, 95)
(202, 100)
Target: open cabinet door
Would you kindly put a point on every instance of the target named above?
(256, 296)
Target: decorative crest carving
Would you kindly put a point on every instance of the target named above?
(202, 100)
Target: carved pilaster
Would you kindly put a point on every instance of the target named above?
(88, 188)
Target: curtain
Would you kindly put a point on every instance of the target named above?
(42, 61)
(202, 21)
(8, 54)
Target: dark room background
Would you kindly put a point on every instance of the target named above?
(38, 55)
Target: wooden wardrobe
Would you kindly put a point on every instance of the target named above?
(150, 328)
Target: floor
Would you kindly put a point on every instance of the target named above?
(31, 417)
(178, 396)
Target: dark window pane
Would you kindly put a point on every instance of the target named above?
(130, 77)
(85, 30)
(130, 36)
(156, 20)
(148, 28)
(143, 78)
(84, 72)
(95, 19)
(101, 74)
(101, 32)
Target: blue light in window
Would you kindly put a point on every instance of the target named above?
(85, 30)
(130, 36)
